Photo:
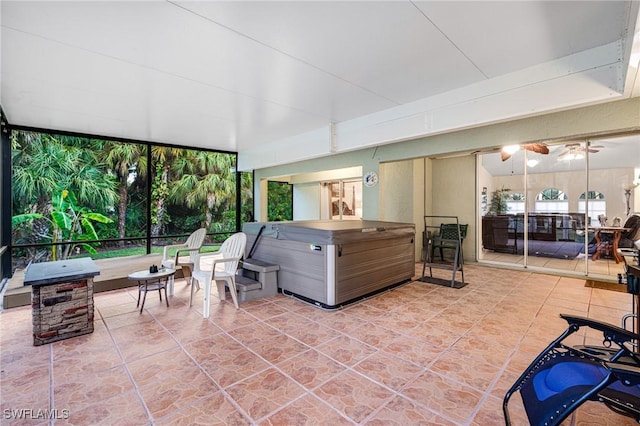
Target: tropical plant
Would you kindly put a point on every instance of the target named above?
(42, 163)
(279, 201)
(206, 183)
(246, 196)
(163, 158)
(67, 223)
(125, 159)
(498, 203)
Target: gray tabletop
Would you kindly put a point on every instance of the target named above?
(145, 275)
(46, 273)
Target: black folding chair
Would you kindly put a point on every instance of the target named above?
(563, 377)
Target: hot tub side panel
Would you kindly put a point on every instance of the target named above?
(302, 265)
(366, 267)
(335, 274)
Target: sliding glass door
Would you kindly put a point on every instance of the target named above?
(546, 204)
(345, 199)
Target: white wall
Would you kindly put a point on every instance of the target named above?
(596, 119)
(306, 201)
(396, 190)
(606, 181)
(454, 194)
(402, 195)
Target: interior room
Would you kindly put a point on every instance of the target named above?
(560, 231)
(521, 120)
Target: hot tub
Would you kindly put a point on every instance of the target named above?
(331, 263)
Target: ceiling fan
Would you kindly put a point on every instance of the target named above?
(576, 151)
(538, 147)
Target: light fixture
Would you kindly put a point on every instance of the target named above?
(627, 192)
(532, 163)
(511, 149)
(627, 196)
(572, 154)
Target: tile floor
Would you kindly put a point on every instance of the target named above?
(419, 354)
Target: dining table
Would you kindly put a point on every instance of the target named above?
(607, 240)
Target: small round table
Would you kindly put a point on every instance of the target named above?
(148, 281)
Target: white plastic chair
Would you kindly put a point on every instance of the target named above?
(228, 258)
(192, 246)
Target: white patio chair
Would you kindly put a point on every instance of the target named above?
(228, 258)
(192, 246)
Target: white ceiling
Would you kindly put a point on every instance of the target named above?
(618, 152)
(284, 81)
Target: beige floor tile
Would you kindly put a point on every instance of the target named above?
(444, 396)
(353, 395)
(125, 409)
(311, 368)
(307, 410)
(417, 354)
(136, 347)
(173, 363)
(346, 350)
(471, 371)
(76, 392)
(490, 413)
(265, 310)
(418, 351)
(376, 335)
(288, 322)
(340, 321)
(388, 370)
(224, 359)
(313, 334)
(400, 411)
(211, 410)
(162, 397)
(263, 394)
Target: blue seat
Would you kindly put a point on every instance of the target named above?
(563, 377)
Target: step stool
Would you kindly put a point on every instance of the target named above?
(256, 279)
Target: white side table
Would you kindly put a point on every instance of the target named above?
(148, 281)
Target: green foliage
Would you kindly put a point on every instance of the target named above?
(498, 203)
(279, 201)
(159, 192)
(205, 181)
(43, 163)
(67, 222)
(189, 189)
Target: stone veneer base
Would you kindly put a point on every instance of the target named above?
(62, 310)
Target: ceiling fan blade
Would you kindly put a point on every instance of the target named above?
(540, 148)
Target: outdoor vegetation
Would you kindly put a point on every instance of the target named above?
(279, 201)
(75, 196)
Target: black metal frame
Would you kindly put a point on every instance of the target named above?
(616, 354)
(5, 196)
(454, 241)
(6, 190)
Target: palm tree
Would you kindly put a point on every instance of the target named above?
(207, 183)
(45, 164)
(163, 158)
(122, 158)
(246, 196)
